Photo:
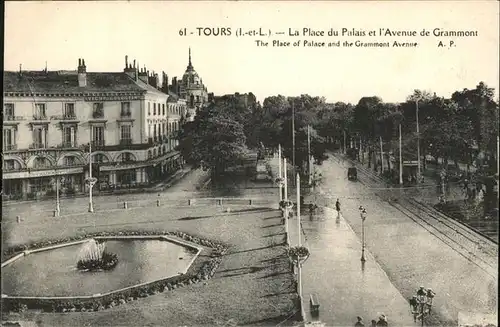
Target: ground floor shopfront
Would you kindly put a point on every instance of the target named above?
(29, 184)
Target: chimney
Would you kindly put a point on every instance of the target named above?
(143, 75)
(153, 80)
(82, 73)
(129, 70)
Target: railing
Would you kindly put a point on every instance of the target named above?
(40, 117)
(14, 118)
(64, 117)
(10, 147)
(68, 145)
(98, 114)
(125, 141)
(97, 143)
(37, 146)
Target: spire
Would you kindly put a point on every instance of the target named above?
(190, 65)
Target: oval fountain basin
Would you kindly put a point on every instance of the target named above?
(53, 273)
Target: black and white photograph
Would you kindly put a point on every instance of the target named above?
(250, 163)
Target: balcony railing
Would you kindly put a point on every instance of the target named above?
(99, 143)
(125, 141)
(40, 117)
(14, 118)
(125, 114)
(64, 117)
(68, 145)
(97, 114)
(37, 146)
(10, 147)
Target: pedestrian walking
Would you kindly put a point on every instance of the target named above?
(374, 323)
(337, 207)
(359, 323)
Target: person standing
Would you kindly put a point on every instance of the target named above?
(337, 207)
(359, 323)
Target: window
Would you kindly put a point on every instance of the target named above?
(126, 157)
(9, 164)
(98, 110)
(39, 111)
(8, 109)
(98, 135)
(154, 152)
(149, 154)
(69, 160)
(154, 109)
(163, 109)
(9, 139)
(154, 131)
(67, 137)
(69, 110)
(149, 108)
(125, 134)
(38, 138)
(197, 98)
(125, 112)
(99, 158)
(41, 162)
(40, 184)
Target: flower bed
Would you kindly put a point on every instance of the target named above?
(83, 304)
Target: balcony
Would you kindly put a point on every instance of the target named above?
(40, 117)
(98, 115)
(37, 146)
(10, 147)
(125, 141)
(97, 144)
(13, 118)
(69, 145)
(66, 117)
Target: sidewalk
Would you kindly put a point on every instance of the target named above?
(344, 286)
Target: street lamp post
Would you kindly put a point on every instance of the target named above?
(58, 206)
(362, 212)
(421, 303)
(91, 180)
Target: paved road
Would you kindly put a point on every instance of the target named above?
(183, 189)
(411, 254)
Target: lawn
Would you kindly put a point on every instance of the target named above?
(253, 285)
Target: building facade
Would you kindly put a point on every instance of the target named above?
(52, 120)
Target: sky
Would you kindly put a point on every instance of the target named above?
(102, 33)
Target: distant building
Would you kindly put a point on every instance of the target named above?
(52, 118)
(192, 89)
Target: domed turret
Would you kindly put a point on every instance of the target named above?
(191, 76)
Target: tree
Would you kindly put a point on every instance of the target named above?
(213, 139)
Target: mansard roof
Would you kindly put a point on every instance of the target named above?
(67, 82)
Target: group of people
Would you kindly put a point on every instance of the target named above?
(382, 321)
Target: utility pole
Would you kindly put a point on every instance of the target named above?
(299, 265)
(293, 136)
(345, 150)
(285, 177)
(400, 158)
(418, 144)
(279, 172)
(381, 155)
(309, 153)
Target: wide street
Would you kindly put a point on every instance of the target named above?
(411, 252)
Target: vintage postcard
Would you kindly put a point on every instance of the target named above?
(241, 163)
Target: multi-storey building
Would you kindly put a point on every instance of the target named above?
(53, 119)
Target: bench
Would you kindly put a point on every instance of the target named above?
(313, 299)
